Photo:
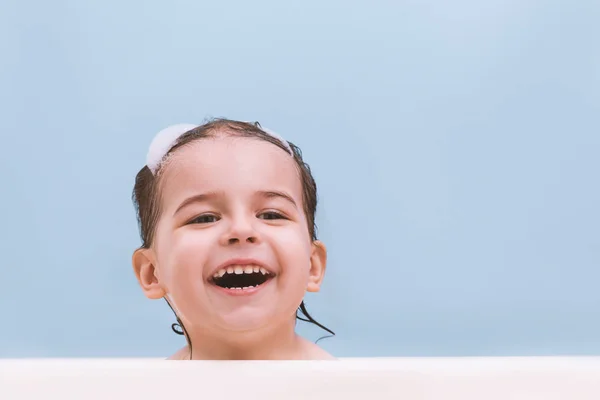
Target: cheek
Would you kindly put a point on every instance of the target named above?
(294, 249)
(182, 270)
(182, 265)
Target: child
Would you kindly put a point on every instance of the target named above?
(227, 218)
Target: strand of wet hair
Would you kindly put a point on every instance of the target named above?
(311, 320)
(181, 331)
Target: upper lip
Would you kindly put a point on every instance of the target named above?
(241, 261)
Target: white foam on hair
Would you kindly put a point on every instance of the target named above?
(278, 137)
(163, 142)
(167, 138)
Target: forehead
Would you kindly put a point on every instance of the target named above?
(233, 165)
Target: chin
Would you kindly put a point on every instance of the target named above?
(247, 320)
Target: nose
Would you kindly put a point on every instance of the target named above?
(241, 230)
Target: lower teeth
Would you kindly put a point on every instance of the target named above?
(241, 288)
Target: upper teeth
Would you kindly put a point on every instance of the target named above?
(240, 269)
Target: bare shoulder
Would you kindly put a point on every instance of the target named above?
(311, 351)
(181, 354)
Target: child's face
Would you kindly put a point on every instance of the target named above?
(230, 202)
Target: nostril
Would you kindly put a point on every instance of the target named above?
(236, 240)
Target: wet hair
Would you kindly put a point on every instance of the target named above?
(146, 192)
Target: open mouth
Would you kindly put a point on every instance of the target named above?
(241, 277)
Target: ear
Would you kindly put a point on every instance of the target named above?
(318, 263)
(146, 273)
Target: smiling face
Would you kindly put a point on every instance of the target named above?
(232, 249)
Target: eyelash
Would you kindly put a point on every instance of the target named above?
(198, 219)
(273, 213)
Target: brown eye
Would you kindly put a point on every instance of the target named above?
(271, 215)
(204, 219)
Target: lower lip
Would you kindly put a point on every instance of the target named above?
(241, 292)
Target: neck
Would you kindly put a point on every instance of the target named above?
(269, 343)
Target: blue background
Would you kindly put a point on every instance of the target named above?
(455, 145)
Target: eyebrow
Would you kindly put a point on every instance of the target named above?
(199, 198)
(277, 194)
(202, 197)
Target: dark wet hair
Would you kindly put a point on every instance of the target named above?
(146, 192)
